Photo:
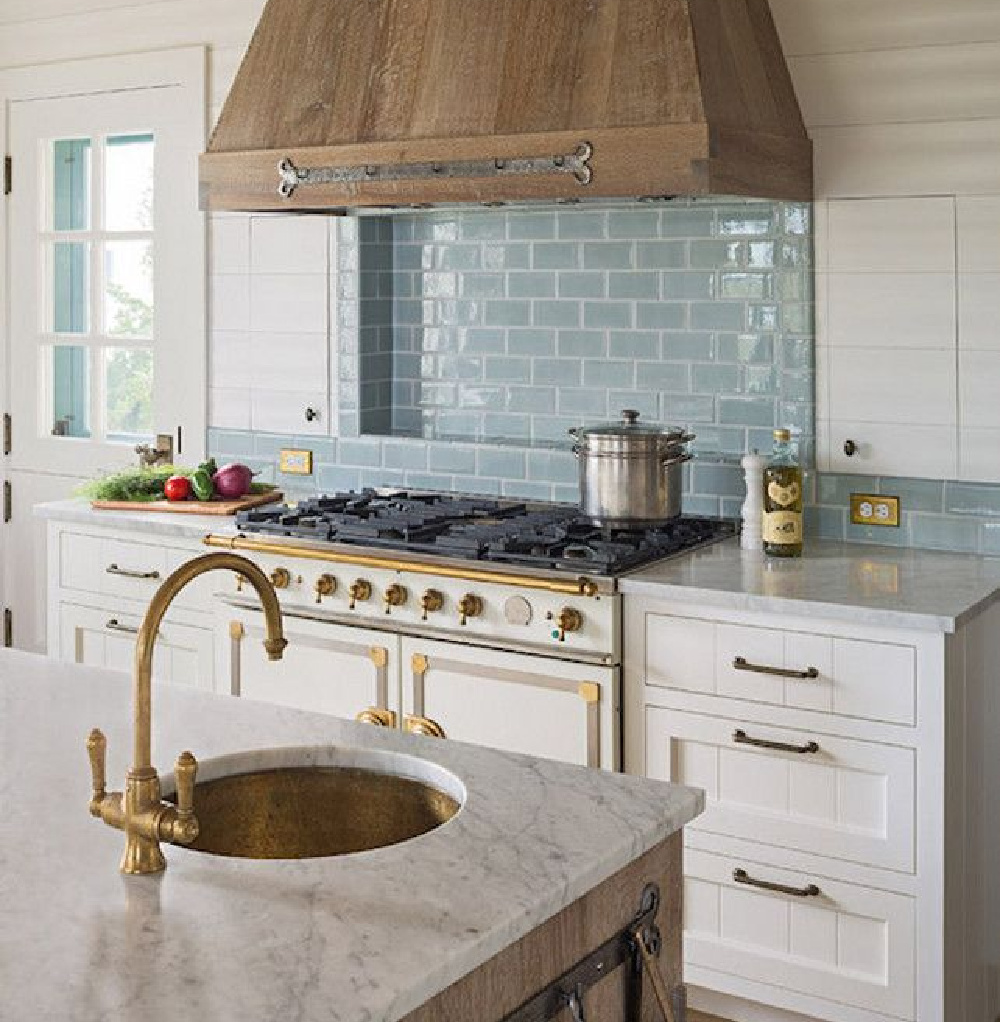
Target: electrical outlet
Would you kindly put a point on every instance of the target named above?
(874, 509)
(295, 463)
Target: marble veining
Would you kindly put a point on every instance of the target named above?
(156, 523)
(870, 585)
(361, 938)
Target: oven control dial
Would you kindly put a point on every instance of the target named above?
(431, 601)
(517, 611)
(567, 620)
(281, 578)
(360, 591)
(395, 596)
(469, 605)
(326, 585)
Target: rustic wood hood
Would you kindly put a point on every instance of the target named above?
(397, 102)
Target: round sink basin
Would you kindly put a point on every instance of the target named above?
(313, 802)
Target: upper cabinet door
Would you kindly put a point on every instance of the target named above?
(886, 336)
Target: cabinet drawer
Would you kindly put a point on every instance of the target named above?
(850, 677)
(848, 944)
(843, 799)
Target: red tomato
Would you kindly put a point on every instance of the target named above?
(177, 488)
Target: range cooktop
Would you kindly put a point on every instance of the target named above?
(481, 529)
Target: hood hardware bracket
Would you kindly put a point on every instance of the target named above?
(576, 164)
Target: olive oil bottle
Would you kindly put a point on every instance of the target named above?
(783, 500)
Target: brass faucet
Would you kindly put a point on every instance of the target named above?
(140, 812)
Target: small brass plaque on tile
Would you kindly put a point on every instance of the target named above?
(295, 463)
(874, 509)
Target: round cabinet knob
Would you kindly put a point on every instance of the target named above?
(395, 596)
(326, 585)
(469, 605)
(850, 448)
(431, 601)
(281, 578)
(312, 414)
(360, 591)
(568, 620)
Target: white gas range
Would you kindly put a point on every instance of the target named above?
(486, 621)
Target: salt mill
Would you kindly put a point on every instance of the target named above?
(751, 535)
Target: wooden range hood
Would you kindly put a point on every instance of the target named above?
(367, 103)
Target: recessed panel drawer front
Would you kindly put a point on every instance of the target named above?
(848, 944)
(849, 677)
(828, 796)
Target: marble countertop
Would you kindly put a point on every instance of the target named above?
(871, 585)
(156, 523)
(361, 938)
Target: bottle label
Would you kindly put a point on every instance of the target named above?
(784, 496)
(783, 527)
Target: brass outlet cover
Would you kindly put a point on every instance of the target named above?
(874, 509)
(294, 462)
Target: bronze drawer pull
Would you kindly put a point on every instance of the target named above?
(741, 876)
(114, 625)
(113, 569)
(742, 664)
(742, 738)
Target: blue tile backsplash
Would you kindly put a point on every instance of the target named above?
(466, 344)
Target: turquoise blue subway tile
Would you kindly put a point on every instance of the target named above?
(553, 466)
(639, 223)
(586, 402)
(508, 256)
(765, 381)
(699, 504)
(688, 223)
(428, 481)
(746, 221)
(267, 445)
(836, 490)
(718, 315)
(556, 313)
(506, 427)
(336, 478)
(582, 225)
(229, 442)
(457, 367)
(582, 343)
(532, 400)
(750, 411)
(348, 423)
(535, 284)
(483, 285)
(452, 458)
(632, 344)
(438, 285)
(797, 319)
(729, 441)
(531, 341)
(555, 255)
(507, 313)
(477, 486)
(797, 386)
(884, 536)
(760, 254)
(746, 349)
(763, 317)
(989, 539)
(565, 493)
(661, 255)
(376, 477)
(692, 346)
(634, 285)
(796, 254)
(972, 499)
(583, 285)
(507, 370)
(798, 353)
(324, 449)
(661, 315)
(671, 376)
(707, 378)
(731, 507)
(607, 373)
(502, 462)
(608, 255)
(554, 428)
(687, 285)
(798, 416)
(794, 286)
(524, 490)
(483, 341)
(645, 403)
(407, 257)
(481, 226)
(481, 396)
(825, 523)
(561, 372)
(525, 226)
(455, 424)
(735, 284)
(914, 494)
(718, 480)
(607, 315)
(717, 255)
(440, 395)
(347, 229)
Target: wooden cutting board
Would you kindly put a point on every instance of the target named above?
(191, 507)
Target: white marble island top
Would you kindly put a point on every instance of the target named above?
(871, 585)
(361, 938)
(156, 523)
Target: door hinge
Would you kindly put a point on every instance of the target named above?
(8, 175)
(7, 502)
(8, 628)
(7, 432)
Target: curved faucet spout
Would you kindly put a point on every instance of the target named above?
(274, 641)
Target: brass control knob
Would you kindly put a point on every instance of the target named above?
(469, 605)
(395, 596)
(568, 620)
(326, 585)
(431, 601)
(281, 578)
(361, 591)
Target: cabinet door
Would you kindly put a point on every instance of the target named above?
(106, 638)
(326, 668)
(512, 701)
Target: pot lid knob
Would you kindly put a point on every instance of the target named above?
(630, 416)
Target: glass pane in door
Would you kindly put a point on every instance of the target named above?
(128, 289)
(128, 391)
(71, 184)
(128, 184)
(68, 371)
(69, 282)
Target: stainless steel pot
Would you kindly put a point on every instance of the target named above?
(630, 474)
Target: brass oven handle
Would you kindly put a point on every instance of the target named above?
(114, 625)
(741, 876)
(376, 716)
(740, 737)
(113, 569)
(416, 725)
(742, 664)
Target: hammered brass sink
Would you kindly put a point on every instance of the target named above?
(310, 803)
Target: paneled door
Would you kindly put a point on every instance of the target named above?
(105, 285)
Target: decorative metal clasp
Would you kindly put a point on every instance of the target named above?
(576, 164)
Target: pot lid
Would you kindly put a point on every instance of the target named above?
(629, 426)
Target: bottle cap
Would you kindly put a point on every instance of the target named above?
(782, 435)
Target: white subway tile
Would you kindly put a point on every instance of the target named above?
(979, 311)
(289, 304)
(290, 244)
(289, 362)
(230, 364)
(979, 387)
(230, 242)
(281, 411)
(229, 408)
(979, 234)
(230, 301)
(979, 455)
(891, 235)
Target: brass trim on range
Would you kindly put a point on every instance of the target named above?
(377, 716)
(237, 631)
(379, 656)
(416, 725)
(580, 586)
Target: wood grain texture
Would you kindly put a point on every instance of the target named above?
(502, 984)
(191, 507)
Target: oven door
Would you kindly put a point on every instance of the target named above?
(518, 702)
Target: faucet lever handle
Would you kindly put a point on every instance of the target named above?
(97, 750)
(185, 770)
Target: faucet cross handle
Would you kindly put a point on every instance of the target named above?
(97, 750)
(185, 827)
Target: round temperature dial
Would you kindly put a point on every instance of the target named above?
(517, 611)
